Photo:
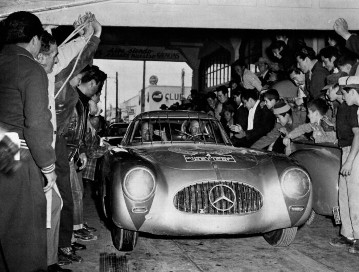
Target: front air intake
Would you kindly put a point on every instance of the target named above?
(218, 197)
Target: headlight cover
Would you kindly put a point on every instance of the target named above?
(295, 183)
(139, 184)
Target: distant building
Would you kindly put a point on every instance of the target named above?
(155, 96)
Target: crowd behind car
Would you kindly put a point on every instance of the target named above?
(52, 111)
(297, 95)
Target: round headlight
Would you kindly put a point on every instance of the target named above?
(139, 184)
(295, 183)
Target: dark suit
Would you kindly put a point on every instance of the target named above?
(316, 83)
(263, 122)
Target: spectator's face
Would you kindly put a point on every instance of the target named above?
(262, 67)
(349, 96)
(147, 131)
(249, 103)
(298, 79)
(303, 64)
(314, 116)
(222, 97)
(234, 85)
(269, 103)
(332, 93)
(49, 59)
(211, 102)
(238, 70)
(345, 68)
(237, 99)
(194, 127)
(328, 63)
(283, 120)
(332, 42)
(227, 115)
(276, 52)
(74, 82)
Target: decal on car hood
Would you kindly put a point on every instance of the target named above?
(209, 157)
(198, 150)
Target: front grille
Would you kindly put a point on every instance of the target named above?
(218, 197)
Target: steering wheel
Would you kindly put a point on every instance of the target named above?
(197, 135)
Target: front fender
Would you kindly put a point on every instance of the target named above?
(323, 165)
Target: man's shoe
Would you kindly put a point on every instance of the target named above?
(84, 235)
(63, 260)
(57, 268)
(354, 248)
(70, 254)
(341, 241)
(77, 246)
(88, 228)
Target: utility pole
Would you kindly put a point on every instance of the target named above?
(117, 97)
(105, 100)
(143, 98)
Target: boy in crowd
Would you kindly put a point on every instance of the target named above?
(349, 179)
(323, 129)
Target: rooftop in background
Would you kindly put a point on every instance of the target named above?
(231, 14)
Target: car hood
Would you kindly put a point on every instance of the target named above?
(201, 157)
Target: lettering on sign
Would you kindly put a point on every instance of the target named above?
(138, 53)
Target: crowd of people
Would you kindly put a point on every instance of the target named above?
(297, 94)
(50, 127)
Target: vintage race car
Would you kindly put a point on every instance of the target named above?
(182, 181)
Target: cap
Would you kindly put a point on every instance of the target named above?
(281, 107)
(349, 81)
(332, 80)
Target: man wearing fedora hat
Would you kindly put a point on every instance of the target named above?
(349, 178)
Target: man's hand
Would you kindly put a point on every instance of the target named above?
(346, 169)
(51, 179)
(286, 141)
(83, 160)
(236, 128)
(341, 28)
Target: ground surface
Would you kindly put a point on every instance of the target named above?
(309, 252)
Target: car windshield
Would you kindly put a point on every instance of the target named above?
(176, 130)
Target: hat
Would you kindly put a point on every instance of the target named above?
(332, 80)
(349, 81)
(263, 60)
(281, 107)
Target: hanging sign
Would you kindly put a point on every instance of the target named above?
(138, 53)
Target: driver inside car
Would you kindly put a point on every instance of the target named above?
(148, 134)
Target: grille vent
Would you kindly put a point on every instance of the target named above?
(218, 197)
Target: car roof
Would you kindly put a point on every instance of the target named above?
(173, 114)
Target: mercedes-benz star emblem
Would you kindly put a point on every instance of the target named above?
(226, 199)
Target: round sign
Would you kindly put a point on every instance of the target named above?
(153, 80)
(157, 96)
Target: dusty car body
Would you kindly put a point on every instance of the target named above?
(190, 185)
(322, 161)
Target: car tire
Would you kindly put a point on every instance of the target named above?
(311, 218)
(124, 240)
(281, 237)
